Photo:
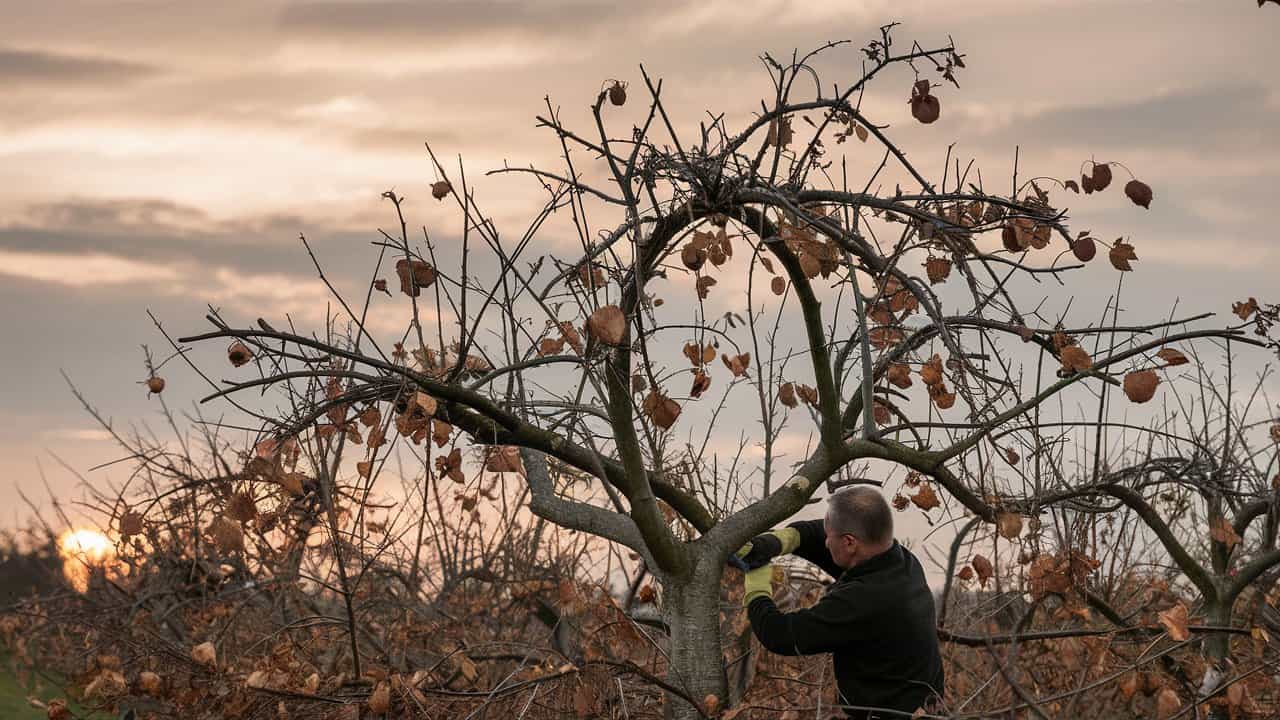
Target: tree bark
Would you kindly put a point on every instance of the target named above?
(691, 608)
(1217, 651)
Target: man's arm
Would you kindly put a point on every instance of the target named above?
(813, 546)
(831, 623)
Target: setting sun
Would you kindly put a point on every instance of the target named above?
(82, 550)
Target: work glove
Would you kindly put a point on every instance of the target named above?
(765, 547)
(757, 583)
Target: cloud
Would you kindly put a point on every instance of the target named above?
(1191, 118)
(81, 270)
(154, 232)
(39, 67)
(451, 22)
(76, 434)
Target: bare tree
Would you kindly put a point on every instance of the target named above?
(573, 369)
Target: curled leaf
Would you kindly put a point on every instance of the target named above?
(900, 375)
(737, 364)
(703, 286)
(440, 190)
(937, 269)
(1101, 176)
(608, 324)
(941, 396)
(931, 371)
(1075, 359)
(1140, 385)
(239, 354)
(924, 106)
(1175, 621)
(618, 93)
(661, 409)
(1172, 357)
(692, 256)
(414, 276)
(787, 394)
(1084, 248)
(1244, 309)
(808, 394)
(984, 568)
(1139, 192)
(701, 383)
(925, 498)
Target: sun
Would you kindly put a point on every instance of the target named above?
(83, 550)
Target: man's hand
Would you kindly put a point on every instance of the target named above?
(764, 548)
(757, 583)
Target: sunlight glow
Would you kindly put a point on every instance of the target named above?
(83, 550)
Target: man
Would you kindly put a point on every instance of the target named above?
(877, 620)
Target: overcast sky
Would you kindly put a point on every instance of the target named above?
(159, 155)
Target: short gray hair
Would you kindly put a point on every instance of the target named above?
(862, 512)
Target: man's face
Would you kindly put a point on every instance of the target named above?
(843, 547)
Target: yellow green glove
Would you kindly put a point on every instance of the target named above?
(767, 546)
(757, 583)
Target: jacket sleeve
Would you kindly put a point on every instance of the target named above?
(813, 546)
(832, 623)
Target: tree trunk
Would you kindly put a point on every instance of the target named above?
(1217, 650)
(692, 611)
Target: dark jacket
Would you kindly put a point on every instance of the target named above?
(877, 621)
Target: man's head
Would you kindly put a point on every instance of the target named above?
(859, 525)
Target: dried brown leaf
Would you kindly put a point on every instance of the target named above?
(1175, 622)
(701, 383)
(787, 394)
(239, 353)
(925, 498)
(1075, 359)
(1121, 254)
(1139, 192)
(1009, 525)
(983, 567)
(900, 375)
(415, 275)
(608, 324)
(1244, 309)
(1140, 385)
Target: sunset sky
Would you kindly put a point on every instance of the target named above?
(165, 156)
